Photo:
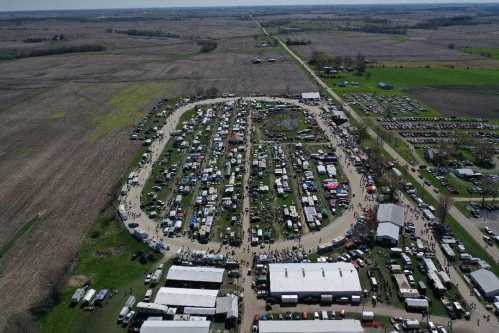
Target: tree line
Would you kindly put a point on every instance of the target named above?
(11, 54)
(144, 33)
(322, 59)
(291, 42)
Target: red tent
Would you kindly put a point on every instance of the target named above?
(331, 186)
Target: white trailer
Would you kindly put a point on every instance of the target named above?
(289, 299)
(123, 312)
(89, 296)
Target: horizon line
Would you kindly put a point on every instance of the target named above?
(368, 2)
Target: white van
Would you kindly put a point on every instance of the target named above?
(324, 315)
(148, 295)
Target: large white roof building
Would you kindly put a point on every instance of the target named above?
(314, 279)
(182, 297)
(310, 326)
(196, 274)
(175, 326)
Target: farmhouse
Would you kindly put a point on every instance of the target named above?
(310, 326)
(195, 277)
(487, 282)
(314, 279)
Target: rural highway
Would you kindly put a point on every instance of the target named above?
(466, 223)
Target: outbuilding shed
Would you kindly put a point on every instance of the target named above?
(388, 233)
(391, 213)
(487, 282)
(311, 96)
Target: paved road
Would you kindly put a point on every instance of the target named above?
(468, 224)
(477, 199)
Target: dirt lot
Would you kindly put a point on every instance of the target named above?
(55, 176)
(461, 102)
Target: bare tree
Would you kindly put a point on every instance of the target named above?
(361, 133)
(337, 61)
(348, 62)
(360, 64)
(445, 202)
(484, 152)
(489, 189)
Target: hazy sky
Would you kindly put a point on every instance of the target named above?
(91, 4)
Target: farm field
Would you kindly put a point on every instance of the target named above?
(406, 78)
(474, 102)
(486, 52)
(376, 47)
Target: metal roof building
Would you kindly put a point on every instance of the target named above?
(314, 279)
(310, 326)
(184, 297)
(229, 305)
(310, 96)
(175, 326)
(196, 274)
(391, 213)
(388, 232)
(487, 282)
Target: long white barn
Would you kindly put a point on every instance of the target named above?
(314, 279)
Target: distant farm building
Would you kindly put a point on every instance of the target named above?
(310, 97)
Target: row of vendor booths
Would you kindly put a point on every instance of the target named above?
(210, 195)
(413, 291)
(173, 222)
(336, 194)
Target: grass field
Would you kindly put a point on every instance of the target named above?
(405, 78)
(492, 53)
(127, 107)
(105, 258)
